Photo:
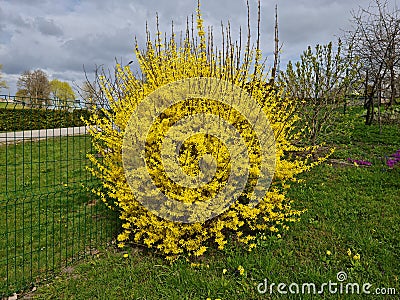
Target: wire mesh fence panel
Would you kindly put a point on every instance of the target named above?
(48, 218)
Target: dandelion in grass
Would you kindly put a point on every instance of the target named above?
(241, 270)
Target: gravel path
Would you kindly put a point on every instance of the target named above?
(29, 135)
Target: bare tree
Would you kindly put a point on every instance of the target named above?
(92, 92)
(35, 86)
(375, 40)
(88, 93)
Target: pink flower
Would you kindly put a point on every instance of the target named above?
(360, 162)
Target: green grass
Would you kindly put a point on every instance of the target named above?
(11, 105)
(47, 217)
(348, 207)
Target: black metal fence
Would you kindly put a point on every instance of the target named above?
(48, 218)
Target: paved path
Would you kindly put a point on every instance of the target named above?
(29, 135)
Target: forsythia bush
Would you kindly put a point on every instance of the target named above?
(165, 61)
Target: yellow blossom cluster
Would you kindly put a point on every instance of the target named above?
(170, 62)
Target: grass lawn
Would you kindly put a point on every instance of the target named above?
(47, 217)
(351, 225)
(11, 105)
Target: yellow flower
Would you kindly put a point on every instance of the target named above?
(167, 65)
(224, 271)
(195, 265)
(126, 225)
(357, 256)
(251, 246)
(200, 251)
(126, 255)
(348, 252)
(328, 252)
(241, 270)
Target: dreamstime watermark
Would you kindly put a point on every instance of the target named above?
(148, 114)
(332, 287)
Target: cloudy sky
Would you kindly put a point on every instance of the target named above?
(60, 37)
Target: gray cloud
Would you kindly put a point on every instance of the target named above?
(47, 26)
(62, 36)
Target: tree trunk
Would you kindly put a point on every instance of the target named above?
(392, 86)
(370, 109)
(379, 106)
(366, 91)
